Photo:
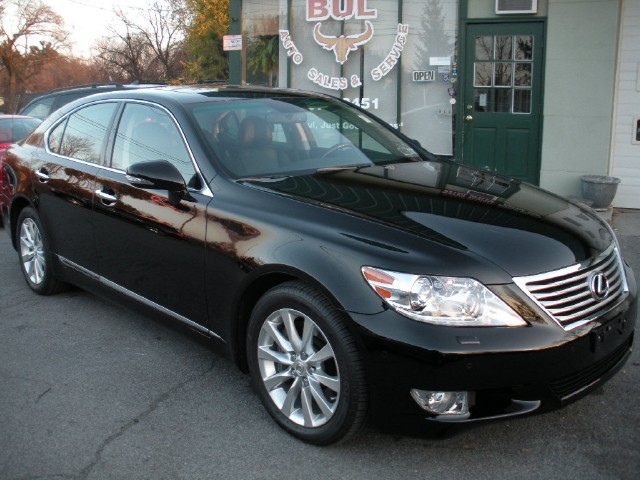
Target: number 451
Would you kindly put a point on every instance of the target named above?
(365, 102)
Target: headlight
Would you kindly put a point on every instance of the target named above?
(451, 301)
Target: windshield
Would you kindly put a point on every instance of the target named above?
(289, 135)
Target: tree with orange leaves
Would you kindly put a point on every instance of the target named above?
(207, 60)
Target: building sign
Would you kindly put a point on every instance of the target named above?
(439, 61)
(424, 75)
(232, 42)
(290, 47)
(318, 10)
(342, 45)
(394, 54)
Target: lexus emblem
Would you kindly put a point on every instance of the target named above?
(599, 286)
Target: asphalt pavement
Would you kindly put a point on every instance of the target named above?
(89, 390)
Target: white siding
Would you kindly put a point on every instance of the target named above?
(625, 157)
(581, 55)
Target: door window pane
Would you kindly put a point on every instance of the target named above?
(483, 74)
(503, 75)
(524, 47)
(482, 100)
(86, 132)
(522, 101)
(484, 48)
(503, 100)
(523, 75)
(504, 47)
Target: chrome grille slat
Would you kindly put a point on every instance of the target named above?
(566, 300)
(565, 294)
(595, 307)
(555, 294)
(557, 284)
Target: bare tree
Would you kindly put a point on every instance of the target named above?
(149, 49)
(166, 26)
(36, 31)
(124, 57)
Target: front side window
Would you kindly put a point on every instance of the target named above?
(146, 133)
(83, 134)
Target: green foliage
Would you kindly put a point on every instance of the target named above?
(206, 59)
(203, 43)
(262, 57)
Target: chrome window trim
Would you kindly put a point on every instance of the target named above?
(139, 298)
(63, 119)
(205, 190)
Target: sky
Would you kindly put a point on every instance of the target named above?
(87, 20)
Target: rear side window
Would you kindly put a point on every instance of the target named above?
(84, 133)
(70, 97)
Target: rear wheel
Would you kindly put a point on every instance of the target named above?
(34, 254)
(305, 365)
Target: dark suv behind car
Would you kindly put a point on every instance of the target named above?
(41, 107)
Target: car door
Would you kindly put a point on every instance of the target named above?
(64, 181)
(149, 248)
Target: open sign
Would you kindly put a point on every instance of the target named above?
(424, 75)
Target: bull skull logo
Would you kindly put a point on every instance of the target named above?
(343, 44)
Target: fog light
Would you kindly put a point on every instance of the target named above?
(442, 403)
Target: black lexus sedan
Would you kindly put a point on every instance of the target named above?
(353, 274)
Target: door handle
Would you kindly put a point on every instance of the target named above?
(468, 118)
(107, 198)
(42, 175)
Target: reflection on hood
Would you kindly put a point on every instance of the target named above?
(401, 195)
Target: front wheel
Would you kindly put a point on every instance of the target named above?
(305, 365)
(34, 254)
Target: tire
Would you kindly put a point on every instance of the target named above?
(35, 255)
(306, 366)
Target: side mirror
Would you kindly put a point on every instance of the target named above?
(160, 175)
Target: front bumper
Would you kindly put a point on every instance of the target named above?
(511, 371)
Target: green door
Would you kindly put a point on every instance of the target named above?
(503, 98)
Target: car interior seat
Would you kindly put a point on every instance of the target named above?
(257, 153)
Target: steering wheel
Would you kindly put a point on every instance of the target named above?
(335, 148)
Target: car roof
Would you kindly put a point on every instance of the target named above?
(59, 96)
(93, 86)
(10, 116)
(198, 93)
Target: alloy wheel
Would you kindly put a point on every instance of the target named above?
(32, 251)
(298, 368)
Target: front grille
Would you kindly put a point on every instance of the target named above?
(566, 294)
(570, 385)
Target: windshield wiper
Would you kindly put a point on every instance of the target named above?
(343, 167)
(254, 178)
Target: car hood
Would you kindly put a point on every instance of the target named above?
(518, 227)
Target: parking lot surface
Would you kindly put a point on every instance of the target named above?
(90, 390)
